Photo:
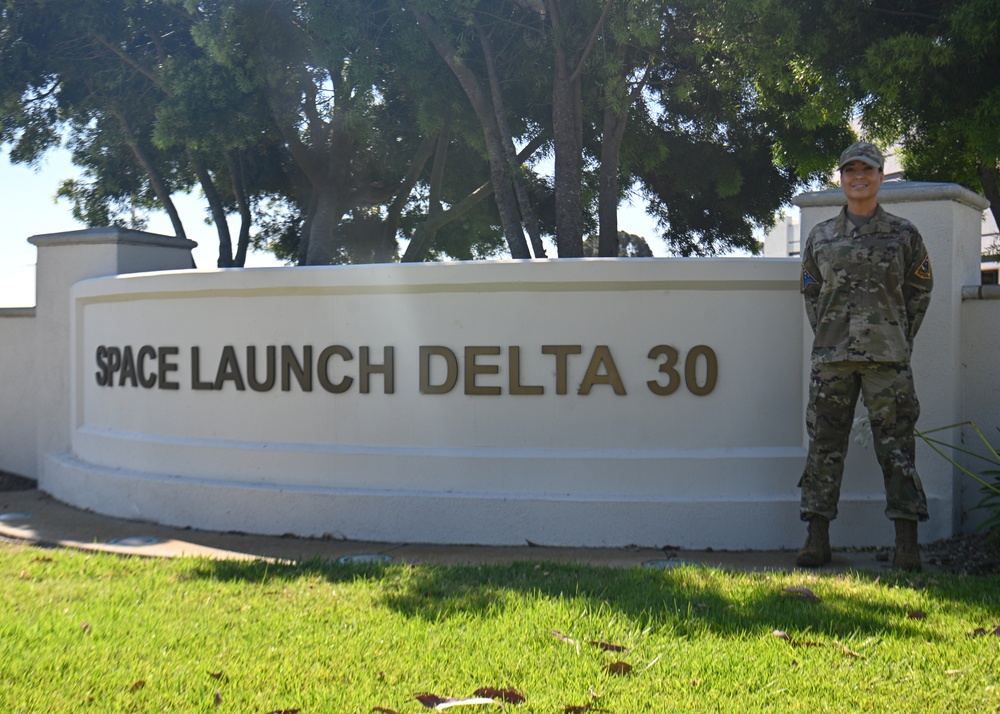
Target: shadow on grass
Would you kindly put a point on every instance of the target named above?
(689, 600)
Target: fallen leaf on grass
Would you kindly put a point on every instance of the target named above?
(467, 702)
(85, 626)
(803, 594)
(780, 634)
(433, 701)
(218, 697)
(917, 615)
(607, 646)
(137, 685)
(216, 675)
(953, 671)
(980, 632)
(560, 636)
(848, 652)
(384, 710)
(284, 711)
(618, 668)
(509, 695)
(570, 709)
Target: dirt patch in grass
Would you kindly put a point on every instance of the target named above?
(10, 482)
(972, 554)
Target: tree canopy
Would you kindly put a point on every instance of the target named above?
(918, 74)
(335, 129)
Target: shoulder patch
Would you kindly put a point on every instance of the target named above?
(924, 271)
(807, 280)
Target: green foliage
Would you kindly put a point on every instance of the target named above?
(717, 112)
(919, 75)
(988, 480)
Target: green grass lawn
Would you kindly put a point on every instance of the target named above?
(91, 632)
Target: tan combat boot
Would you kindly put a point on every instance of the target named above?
(907, 556)
(816, 551)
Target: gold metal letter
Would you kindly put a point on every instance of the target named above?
(514, 358)
(472, 369)
(451, 374)
(602, 355)
(561, 353)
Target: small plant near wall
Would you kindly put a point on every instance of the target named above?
(989, 479)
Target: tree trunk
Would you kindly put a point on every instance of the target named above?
(225, 259)
(567, 118)
(499, 168)
(607, 199)
(156, 181)
(395, 211)
(567, 133)
(243, 206)
(989, 177)
(322, 222)
(510, 152)
(423, 237)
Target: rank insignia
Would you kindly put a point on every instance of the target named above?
(807, 280)
(924, 271)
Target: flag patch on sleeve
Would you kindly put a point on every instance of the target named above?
(924, 271)
(807, 280)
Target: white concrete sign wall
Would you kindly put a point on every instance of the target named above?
(584, 402)
(570, 402)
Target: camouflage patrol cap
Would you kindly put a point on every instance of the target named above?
(862, 151)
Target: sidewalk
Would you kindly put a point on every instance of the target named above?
(35, 518)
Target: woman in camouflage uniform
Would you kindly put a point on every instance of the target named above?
(866, 279)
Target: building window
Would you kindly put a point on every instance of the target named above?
(991, 277)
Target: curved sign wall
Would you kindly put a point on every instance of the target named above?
(585, 402)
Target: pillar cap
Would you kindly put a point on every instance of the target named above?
(110, 235)
(899, 192)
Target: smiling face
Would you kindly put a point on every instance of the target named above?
(860, 183)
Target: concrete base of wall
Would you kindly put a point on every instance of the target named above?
(416, 516)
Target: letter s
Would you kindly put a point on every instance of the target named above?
(102, 374)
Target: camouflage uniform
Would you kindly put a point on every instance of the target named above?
(866, 291)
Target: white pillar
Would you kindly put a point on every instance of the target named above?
(64, 259)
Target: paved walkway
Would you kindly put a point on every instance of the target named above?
(34, 517)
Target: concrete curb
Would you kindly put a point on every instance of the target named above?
(35, 518)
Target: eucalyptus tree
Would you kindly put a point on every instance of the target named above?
(918, 73)
(144, 111)
(713, 158)
(325, 85)
(80, 67)
(483, 45)
(231, 147)
(623, 94)
(933, 83)
(548, 71)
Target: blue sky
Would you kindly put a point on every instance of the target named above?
(28, 207)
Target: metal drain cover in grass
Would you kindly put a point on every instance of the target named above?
(666, 564)
(134, 541)
(14, 516)
(365, 558)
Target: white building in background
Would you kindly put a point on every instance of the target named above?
(785, 238)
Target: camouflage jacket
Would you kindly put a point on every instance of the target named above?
(866, 290)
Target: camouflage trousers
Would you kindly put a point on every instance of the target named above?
(893, 410)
